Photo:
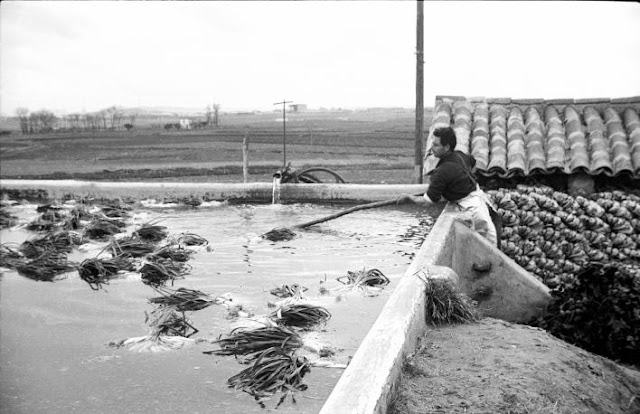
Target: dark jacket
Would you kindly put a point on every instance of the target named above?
(449, 179)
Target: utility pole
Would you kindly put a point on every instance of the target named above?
(284, 131)
(418, 163)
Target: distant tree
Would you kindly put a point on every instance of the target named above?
(132, 119)
(216, 114)
(209, 115)
(168, 126)
(23, 117)
(103, 116)
(33, 123)
(46, 120)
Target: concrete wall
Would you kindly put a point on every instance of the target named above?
(249, 193)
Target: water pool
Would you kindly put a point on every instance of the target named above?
(53, 336)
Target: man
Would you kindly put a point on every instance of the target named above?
(452, 180)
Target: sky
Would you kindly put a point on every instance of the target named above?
(247, 55)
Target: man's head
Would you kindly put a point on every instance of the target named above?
(444, 140)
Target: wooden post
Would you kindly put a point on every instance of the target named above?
(418, 162)
(284, 131)
(245, 157)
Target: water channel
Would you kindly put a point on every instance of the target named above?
(54, 356)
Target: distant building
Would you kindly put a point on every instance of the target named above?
(298, 107)
(185, 124)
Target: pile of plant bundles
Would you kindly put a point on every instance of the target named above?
(43, 258)
(169, 326)
(274, 350)
(563, 241)
(554, 235)
(369, 281)
(598, 311)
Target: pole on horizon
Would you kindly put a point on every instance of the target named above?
(284, 131)
(418, 162)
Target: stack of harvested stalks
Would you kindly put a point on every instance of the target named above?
(273, 370)
(9, 257)
(175, 253)
(97, 272)
(249, 341)
(182, 299)
(59, 241)
(362, 278)
(46, 266)
(190, 239)
(7, 219)
(103, 227)
(288, 291)
(130, 245)
(302, 315)
(151, 232)
(445, 305)
(157, 273)
(167, 321)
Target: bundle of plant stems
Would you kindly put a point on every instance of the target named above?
(190, 239)
(9, 257)
(444, 305)
(102, 227)
(45, 267)
(151, 232)
(182, 299)
(371, 277)
(121, 211)
(158, 273)
(130, 245)
(272, 370)
(168, 321)
(287, 291)
(175, 253)
(301, 315)
(97, 272)
(249, 341)
(279, 234)
(57, 241)
(7, 219)
(599, 311)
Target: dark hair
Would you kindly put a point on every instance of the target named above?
(447, 137)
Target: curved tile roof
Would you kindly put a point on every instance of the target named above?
(521, 137)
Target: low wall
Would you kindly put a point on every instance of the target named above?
(249, 193)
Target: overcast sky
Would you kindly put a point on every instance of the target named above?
(74, 56)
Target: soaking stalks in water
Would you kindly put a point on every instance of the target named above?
(301, 315)
(168, 321)
(97, 272)
(151, 232)
(190, 239)
(130, 245)
(362, 278)
(58, 241)
(272, 370)
(248, 341)
(102, 227)
(182, 299)
(158, 273)
(9, 257)
(287, 291)
(175, 253)
(46, 267)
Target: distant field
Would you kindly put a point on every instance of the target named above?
(362, 146)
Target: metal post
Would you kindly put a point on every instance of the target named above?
(418, 163)
(284, 131)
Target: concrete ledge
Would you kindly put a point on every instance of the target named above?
(251, 192)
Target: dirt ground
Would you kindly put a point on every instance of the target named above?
(498, 367)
